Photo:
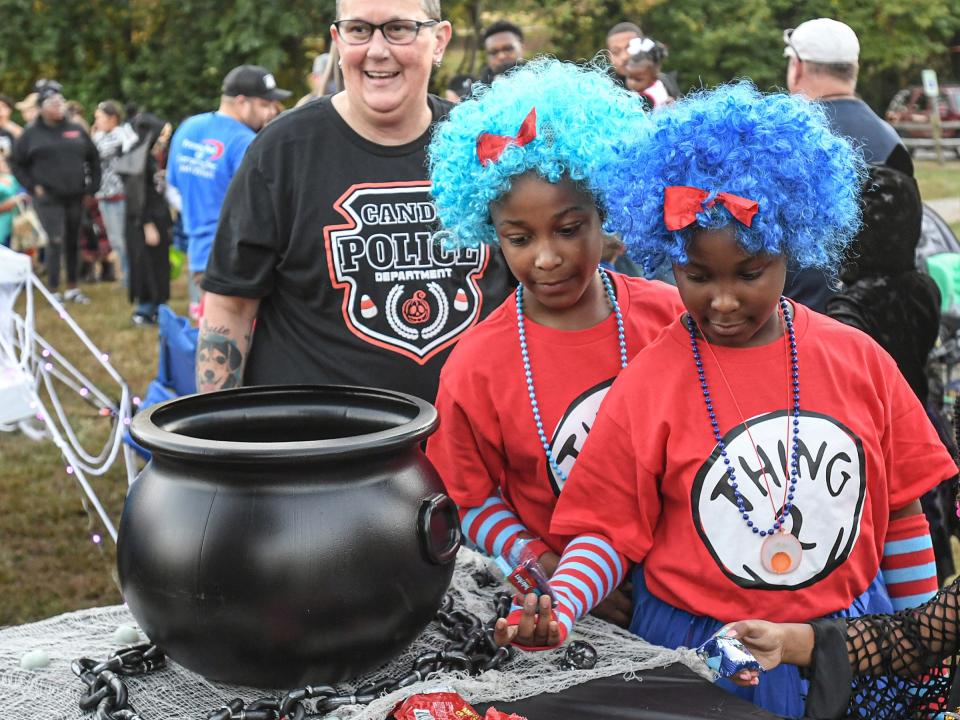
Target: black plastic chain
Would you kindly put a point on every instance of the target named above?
(469, 649)
(106, 692)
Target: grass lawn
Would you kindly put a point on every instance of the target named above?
(48, 562)
(939, 181)
(936, 180)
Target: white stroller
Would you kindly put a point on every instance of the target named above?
(33, 374)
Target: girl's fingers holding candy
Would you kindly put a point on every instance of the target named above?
(545, 620)
(528, 621)
(504, 632)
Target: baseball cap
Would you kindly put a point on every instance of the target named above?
(253, 81)
(822, 40)
(47, 89)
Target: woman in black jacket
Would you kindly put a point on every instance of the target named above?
(57, 163)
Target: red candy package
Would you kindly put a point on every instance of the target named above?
(494, 714)
(435, 706)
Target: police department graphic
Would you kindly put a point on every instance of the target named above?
(402, 290)
(827, 506)
(571, 432)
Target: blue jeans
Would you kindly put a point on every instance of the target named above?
(147, 309)
(113, 213)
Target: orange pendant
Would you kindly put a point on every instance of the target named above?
(781, 553)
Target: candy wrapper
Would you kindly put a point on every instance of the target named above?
(526, 574)
(494, 714)
(444, 705)
(435, 706)
(726, 656)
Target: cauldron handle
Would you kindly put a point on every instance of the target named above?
(438, 502)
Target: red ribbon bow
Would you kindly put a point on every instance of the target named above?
(490, 147)
(682, 203)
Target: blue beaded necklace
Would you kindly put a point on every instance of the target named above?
(783, 555)
(528, 373)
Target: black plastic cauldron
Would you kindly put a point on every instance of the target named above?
(286, 535)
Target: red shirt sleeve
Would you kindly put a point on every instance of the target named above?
(470, 463)
(610, 492)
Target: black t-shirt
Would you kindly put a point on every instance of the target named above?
(880, 143)
(334, 234)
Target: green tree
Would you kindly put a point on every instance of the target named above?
(166, 55)
(723, 40)
(726, 39)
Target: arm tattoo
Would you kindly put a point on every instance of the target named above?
(219, 359)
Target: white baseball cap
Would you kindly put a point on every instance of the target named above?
(823, 41)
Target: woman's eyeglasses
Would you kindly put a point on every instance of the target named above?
(395, 32)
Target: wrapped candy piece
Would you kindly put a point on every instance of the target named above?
(435, 706)
(494, 714)
(726, 656)
(521, 567)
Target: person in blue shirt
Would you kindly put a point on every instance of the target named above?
(205, 153)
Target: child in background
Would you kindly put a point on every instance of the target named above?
(9, 193)
(643, 72)
(756, 458)
(517, 166)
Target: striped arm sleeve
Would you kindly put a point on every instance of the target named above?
(492, 526)
(589, 570)
(909, 567)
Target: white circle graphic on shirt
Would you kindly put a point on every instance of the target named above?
(827, 505)
(571, 432)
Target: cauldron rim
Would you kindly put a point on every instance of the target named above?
(147, 426)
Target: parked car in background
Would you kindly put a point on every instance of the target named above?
(911, 105)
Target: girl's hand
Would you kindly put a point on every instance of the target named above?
(617, 607)
(549, 561)
(765, 640)
(536, 627)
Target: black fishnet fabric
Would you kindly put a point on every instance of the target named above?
(904, 664)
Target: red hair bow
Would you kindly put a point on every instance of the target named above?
(682, 203)
(490, 147)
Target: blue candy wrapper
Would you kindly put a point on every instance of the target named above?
(726, 656)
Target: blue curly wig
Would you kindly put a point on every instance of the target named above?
(775, 149)
(582, 119)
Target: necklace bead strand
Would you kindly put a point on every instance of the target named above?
(779, 517)
(528, 373)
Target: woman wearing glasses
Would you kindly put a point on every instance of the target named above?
(325, 233)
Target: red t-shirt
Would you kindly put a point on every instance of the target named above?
(487, 442)
(652, 480)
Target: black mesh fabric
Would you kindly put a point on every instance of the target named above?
(904, 664)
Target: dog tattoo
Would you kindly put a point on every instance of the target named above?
(219, 360)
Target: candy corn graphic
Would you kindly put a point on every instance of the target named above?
(460, 301)
(367, 308)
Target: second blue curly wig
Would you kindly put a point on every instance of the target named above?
(582, 120)
(775, 149)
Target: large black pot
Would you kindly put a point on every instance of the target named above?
(286, 535)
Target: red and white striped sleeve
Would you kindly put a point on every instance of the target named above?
(589, 570)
